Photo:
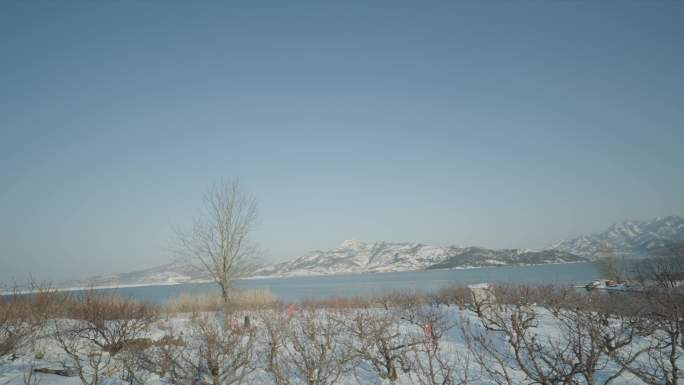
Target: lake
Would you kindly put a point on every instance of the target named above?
(299, 288)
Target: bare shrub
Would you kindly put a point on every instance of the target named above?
(435, 361)
(242, 299)
(22, 315)
(452, 295)
(550, 296)
(104, 333)
(252, 299)
(166, 359)
(665, 272)
(657, 361)
(661, 323)
(378, 339)
(193, 303)
(110, 322)
(336, 303)
(276, 328)
(593, 336)
(310, 350)
(407, 300)
(583, 334)
(133, 361)
(16, 327)
(215, 351)
(82, 357)
(226, 352)
(509, 341)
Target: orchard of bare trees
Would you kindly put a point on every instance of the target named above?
(459, 335)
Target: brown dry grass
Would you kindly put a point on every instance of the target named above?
(246, 299)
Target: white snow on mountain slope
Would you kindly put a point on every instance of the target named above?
(169, 273)
(629, 238)
(359, 257)
(632, 239)
(354, 256)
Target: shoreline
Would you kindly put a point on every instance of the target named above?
(417, 270)
(102, 287)
(4, 292)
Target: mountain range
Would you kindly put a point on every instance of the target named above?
(359, 257)
(631, 239)
(168, 273)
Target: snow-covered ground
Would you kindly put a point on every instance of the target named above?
(453, 347)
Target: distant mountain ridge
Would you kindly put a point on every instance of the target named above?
(353, 256)
(170, 273)
(359, 257)
(480, 257)
(631, 239)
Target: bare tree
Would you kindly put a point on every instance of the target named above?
(134, 362)
(510, 340)
(660, 272)
(83, 358)
(220, 237)
(222, 354)
(596, 337)
(379, 340)
(493, 362)
(662, 319)
(593, 337)
(167, 360)
(208, 350)
(435, 361)
(311, 351)
(658, 361)
(612, 267)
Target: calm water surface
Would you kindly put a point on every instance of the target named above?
(298, 288)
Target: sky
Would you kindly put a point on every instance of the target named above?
(498, 124)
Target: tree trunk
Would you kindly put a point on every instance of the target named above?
(224, 293)
(391, 370)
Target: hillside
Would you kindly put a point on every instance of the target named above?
(631, 239)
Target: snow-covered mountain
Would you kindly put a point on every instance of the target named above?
(632, 239)
(170, 273)
(629, 238)
(358, 257)
(480, 257)
(354, 256)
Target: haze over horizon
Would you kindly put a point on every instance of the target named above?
(464, 123)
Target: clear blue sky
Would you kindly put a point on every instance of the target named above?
(500, 124)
